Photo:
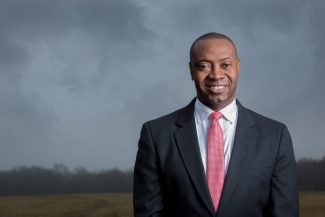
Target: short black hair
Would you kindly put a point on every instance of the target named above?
(210, 35)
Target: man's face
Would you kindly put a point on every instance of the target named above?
(214, 68)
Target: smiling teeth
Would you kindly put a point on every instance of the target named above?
(217, 87)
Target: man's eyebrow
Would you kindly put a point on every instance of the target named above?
(202, 60)
(225, 58)
(207, 60)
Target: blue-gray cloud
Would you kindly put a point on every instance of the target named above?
(78, 78)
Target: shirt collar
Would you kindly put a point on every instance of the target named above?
(202, 112)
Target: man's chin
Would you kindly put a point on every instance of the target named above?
(219, 103)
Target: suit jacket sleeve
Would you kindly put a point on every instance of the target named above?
(284, 194)
(147, 192)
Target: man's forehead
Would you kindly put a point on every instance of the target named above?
(213, 45)
(209, 42)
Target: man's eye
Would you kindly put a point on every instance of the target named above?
(204, 66)
(226, 64)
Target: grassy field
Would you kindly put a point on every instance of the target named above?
(312, 204)
(79, 205)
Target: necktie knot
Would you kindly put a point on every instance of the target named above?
(216, 115)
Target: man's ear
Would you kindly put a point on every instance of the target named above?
(238, 64)
(191, 70)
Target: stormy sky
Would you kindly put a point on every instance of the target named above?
(79, 78)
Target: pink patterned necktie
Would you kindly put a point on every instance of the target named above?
(216, 159)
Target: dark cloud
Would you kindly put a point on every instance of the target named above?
(104, 33)
(11, 54)
(57, 52)
(25, 128)
(78, 78)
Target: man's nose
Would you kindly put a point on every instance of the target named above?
(216, 73)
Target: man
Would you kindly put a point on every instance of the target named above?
(214, 157)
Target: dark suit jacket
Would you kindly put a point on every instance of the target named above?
(169, 178)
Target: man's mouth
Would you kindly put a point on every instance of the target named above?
(217, 87)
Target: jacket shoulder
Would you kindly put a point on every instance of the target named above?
(261, 118)
(168, 119)
(265, 123)
(186, 113)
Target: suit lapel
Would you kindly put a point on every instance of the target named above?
(244, 139)
(187, 142)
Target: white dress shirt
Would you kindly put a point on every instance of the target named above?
(228, 124)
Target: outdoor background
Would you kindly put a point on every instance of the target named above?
(78, 78)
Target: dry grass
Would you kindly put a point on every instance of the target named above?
(79, 205)
(312, 204)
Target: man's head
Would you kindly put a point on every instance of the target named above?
(214, 67)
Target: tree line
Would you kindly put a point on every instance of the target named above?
(311, 174)
(60, 180)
